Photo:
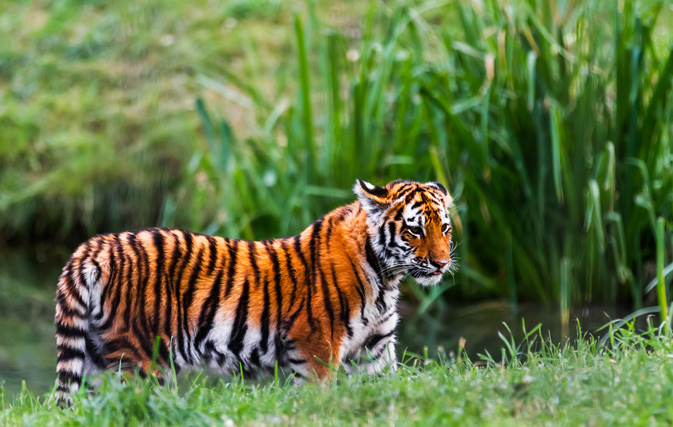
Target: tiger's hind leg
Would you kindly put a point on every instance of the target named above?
(128, 362)
(313, 357)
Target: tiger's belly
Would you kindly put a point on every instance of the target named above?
(230, 348)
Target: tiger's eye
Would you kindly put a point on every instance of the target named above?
(416, 230)
(446, 228)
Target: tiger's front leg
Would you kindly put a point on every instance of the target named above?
(312, 354)
(378, 359)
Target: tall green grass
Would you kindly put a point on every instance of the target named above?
(550, 122)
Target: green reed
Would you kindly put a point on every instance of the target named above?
(549, 121)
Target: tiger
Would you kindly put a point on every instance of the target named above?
(143, 301)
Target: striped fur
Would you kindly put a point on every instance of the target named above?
(328, 294)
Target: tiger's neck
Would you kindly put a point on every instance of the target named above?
(348, 230)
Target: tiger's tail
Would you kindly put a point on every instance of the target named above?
(72, 324)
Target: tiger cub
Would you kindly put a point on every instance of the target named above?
(326, 296)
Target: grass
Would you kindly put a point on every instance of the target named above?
(97, 113)
(549, 121)
(628, 381)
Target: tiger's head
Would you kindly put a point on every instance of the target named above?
(410, 228)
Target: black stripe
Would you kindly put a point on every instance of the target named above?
(178, 295)
(315, 237)
(240, 321)
(296, 361)
(123, 345)
(278, 345)
(298, 375)
(146, 345)
(410, 196)
(94, 352)
(328, 232)
(279, 294)
(110, 285)
(212, 249)
(158, 241)
(400, 212)
(106, 289)
(374, 339)
(64, 305)
(146, 320)
(265, 317)
(344, 212)
(417, 204)
(63, 388)
(380, 303)
(374, 190)
(127, 275)
(94, 261)
(140, 322)
(66, 353)
(293, 317)
(68, 377)
(360, 288)
(327, 300)
(212, 353)
(66, 331)
(143, 319)
(277, 283)
(381, 238)
(315, 261)
(253, 261)
(307, 280)
(171, 286)
(392, 232)
(82, 279)
(118, 282)
(73, 292)
(233, 252)
(383, 320)
(209, 309)
(188, 296)
(300, 254)
(254, 357)
(291, 272)
(373, 261)
(344, 307)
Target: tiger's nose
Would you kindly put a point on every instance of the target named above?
(439, 263)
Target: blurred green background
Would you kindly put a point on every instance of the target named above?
(551, 122)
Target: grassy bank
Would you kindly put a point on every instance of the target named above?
(630, 383)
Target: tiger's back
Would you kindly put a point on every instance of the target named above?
(328, 294)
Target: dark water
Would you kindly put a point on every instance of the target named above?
(28, 349)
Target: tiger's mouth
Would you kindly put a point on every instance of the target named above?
(426, 277)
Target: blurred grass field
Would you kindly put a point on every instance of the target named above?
(549, 121)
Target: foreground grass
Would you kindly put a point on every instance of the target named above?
(628, 383)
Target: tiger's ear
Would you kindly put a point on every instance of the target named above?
(373, 198)
(438, 186)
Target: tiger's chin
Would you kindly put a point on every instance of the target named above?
(428, 279)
